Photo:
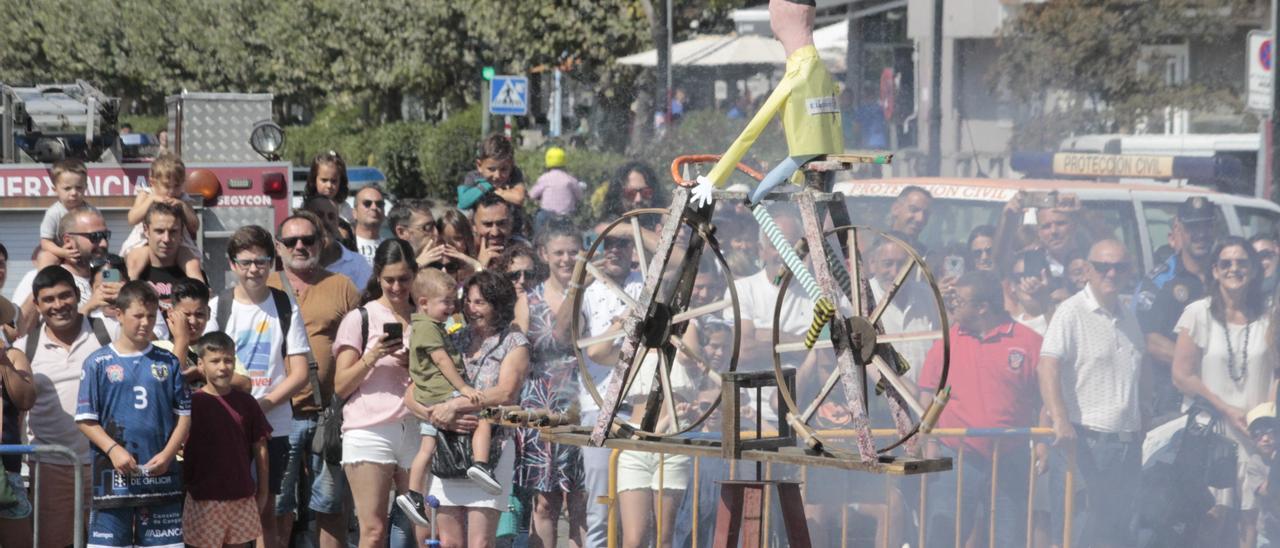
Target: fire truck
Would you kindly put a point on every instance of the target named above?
(229, 134)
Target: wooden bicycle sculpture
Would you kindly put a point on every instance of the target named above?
(647, 406)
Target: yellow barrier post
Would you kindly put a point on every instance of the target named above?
(662, 492)
(1031, 494)
(991, 510)
(924, 508)
(1069, 502)
(696, 486)
(959, 489)
(612, 499)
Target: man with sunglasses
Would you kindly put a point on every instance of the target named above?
(1162, 296)
(84, 230)
(333, 255)
(1090, 371)
(323, 298)
(371, 203)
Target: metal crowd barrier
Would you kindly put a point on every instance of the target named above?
(890, 481)
(74, 459)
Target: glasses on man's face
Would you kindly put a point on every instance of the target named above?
(631, 193)
(1103, 267)
(521, 275)
(292, 241)
(371, 203)
(260, 262)
(1228, 264)
(96, 237)
(981, 251)
(616, 242)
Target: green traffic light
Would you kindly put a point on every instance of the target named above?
(487, 73)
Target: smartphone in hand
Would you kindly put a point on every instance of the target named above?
(393, 334)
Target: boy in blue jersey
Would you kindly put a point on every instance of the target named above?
(135, 409)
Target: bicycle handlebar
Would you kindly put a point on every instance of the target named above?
(680, 162)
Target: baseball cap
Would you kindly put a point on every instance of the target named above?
(1196, 210)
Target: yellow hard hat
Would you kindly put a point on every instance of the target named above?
(555, 157)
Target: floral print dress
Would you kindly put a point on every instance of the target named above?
(552, 384)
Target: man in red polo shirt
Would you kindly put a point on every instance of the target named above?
(993, 385)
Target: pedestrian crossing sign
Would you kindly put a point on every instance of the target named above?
(509, 95)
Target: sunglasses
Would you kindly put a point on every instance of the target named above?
(95, 237)
(292, 241)
(1228, 264)
(371, 203)
(982, 251)
(615, 242)
(1267, 254)
(1103, 267)
(260, 262)
(631, 193)
(518, 275)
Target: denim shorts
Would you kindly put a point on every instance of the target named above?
(329, 493)
(21, 509)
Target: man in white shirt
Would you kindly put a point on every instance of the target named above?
(1089, 371)
(910, 310)
(601, 307)
(276, 359)
(370, 211)
(758, 295)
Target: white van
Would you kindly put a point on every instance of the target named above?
(1139, 214)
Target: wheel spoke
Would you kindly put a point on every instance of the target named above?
(908, 337)
(607, 336)
(600, 277)
(693, 355)
(701, 311)
(855, 274)
(892, 376)
(635, 232)
(784, 348)
(664, 377)
(891, 291)
(822, 395)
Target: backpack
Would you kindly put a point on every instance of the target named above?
(99, 332)
(327, 443)
(284, 309)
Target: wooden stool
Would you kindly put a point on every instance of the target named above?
(742, 511)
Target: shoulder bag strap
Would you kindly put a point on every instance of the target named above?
(313, 368)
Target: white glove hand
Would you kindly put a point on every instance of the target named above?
(702, 192)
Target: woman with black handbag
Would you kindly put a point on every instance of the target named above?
(496, 359)
(1223, 357)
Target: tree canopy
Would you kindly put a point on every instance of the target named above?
(1081, 66)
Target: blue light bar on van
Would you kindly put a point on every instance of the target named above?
(1089, 165)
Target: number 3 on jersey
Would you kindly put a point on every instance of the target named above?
(139, 397)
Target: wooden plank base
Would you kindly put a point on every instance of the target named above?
(700, 447)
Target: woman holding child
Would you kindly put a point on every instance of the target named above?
(379, 436)
(495, 356)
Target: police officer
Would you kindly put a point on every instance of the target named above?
(1161, 297)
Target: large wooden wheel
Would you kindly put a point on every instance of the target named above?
(864, 333)
(658, 327)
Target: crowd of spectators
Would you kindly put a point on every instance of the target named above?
(200, 413)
